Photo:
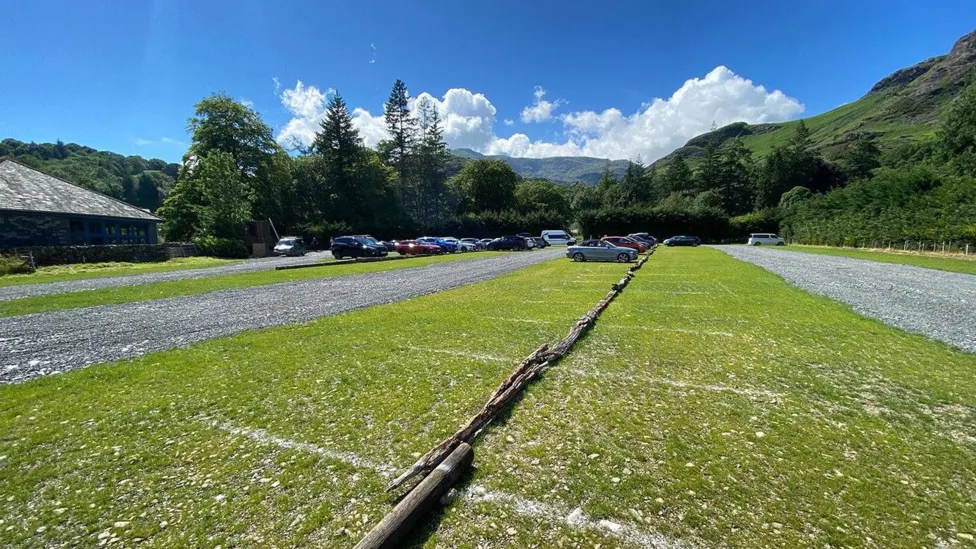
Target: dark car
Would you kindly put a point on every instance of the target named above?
(683, 241)
(508, 242)
(644, 238)
(540, 242)
(388, 246)
(355, 246)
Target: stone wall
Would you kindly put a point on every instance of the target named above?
(129, 253)
(18, 230)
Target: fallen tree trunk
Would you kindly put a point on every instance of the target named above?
(397, 523)
(540, 360)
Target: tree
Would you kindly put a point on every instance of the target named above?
(542, 195)
(861, 158)
(634, 186)
(222, 124)
(488, 184)
(735, 178)
(958, 135)
(709, 172)
(434, 202)
(338, 143)
(676, 178)
(226, 208)
(397, 150)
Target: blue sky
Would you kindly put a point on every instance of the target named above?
(124, 75)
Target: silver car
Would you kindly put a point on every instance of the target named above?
(597, 250)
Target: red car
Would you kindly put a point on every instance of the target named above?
(412, 247)
(625, 242)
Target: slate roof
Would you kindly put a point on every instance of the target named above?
(28, 190)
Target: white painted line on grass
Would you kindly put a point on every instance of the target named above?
(576, 518)
(465, 354)
(675, 383)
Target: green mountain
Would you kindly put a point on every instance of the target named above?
(903, 107)
(561, 169)
(133, 179)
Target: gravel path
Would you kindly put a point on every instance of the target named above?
(251, 265)
(938, 304)
(50, 343)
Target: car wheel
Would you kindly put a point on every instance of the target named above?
(623, 258)
(758, 244)
(579, 257)
(781, 243)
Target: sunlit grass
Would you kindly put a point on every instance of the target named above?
(80, 271)
(714, 404)
(140, 442)
(963, 264)
(196, 286)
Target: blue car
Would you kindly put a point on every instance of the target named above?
(445, 245)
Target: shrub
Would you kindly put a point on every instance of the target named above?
(13, 265)
(230, 248)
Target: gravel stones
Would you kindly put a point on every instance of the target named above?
(49, 343)
(937, 304)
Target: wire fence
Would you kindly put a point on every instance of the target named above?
(938, 247)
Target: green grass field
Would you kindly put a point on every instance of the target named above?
(952, 264)
(62, 273)
(197, 286)
(713, 404)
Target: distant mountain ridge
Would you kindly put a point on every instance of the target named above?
(561, 169)
(903, 107)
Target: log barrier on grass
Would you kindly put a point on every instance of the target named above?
(441, 466)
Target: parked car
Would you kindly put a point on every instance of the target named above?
(412, 247)
(644, 238)
(557, 237)
(484, 243)
(289, 245)
(540, 242)
(472, 244)
(509, 242)
(460, 244)
(529, 242)
(683, 241)
(600, 250)
(625, 242)
(438, 241)
(385, 245)
(765, 239)
(353, 246)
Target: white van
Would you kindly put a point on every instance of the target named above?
(557, 237)
(765, 239)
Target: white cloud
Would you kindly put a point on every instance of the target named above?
(277, 85)
(162, 140)
(657, 128)
(540, 110)
(662, 125)
(508, 122)
(247, 102)
(372, 46)
(307, 105)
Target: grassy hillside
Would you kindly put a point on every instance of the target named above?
(136, 180)
(903, 107)
(561, 169)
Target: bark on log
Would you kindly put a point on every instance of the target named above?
(391, 531)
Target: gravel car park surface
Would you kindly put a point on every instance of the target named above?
(938, 304)
(251, 265)
(49, 343)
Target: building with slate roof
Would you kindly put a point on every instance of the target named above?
(37, 209)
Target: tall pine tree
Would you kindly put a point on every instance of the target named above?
(433, 199)
(397, 150)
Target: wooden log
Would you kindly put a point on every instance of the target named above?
(394, 527)
(531, 367)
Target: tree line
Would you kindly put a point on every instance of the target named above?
(235, 171)
(136, 180)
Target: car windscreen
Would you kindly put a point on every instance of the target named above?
(362, 240)
(287, 242)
